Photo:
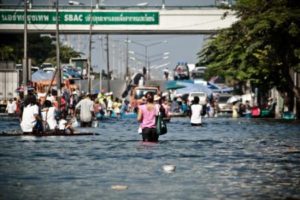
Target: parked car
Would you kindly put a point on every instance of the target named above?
(34, 69)
(223, 106)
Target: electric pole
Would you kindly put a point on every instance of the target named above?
(127, 60)
(25, 59)
(58, 80)
(90, 51)
(108, 64)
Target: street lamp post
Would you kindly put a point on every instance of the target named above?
(146, 46)
(163, 58)
(150, 59)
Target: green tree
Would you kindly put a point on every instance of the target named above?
(263, 46)
(65, 54)
(11, 47)
(40, 49)
(6, 52)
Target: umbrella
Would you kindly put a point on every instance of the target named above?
(173, 85)
(233, 99)
(40, 76)
(217, 88)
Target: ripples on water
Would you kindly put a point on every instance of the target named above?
(225, 159)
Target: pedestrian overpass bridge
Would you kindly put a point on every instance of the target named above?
(118, 21)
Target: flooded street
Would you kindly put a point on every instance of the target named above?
(225, 159)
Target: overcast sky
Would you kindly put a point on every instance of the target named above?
(181, 48)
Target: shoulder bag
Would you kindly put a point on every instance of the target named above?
(161, 126)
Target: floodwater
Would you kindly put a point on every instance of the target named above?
(225, 159)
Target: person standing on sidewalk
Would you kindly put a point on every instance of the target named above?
(11, 107)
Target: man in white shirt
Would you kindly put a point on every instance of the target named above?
(86, 107)
(11, 107)
(196, 109)
(30, 115)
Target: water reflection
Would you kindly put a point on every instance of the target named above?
(224, 159)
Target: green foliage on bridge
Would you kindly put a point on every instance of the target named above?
(263, 46)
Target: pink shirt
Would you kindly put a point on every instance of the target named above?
(148, 117)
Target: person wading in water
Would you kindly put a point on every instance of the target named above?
(147, 115)
(86, 106)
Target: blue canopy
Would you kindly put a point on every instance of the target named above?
(191, 87)
(173, 85)
(40, 75)
(216, 88)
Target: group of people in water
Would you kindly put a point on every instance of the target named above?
(47, 113)
(41, 114)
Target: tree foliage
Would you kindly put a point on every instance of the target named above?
(10, 47)
(263, 46)
(40, 49)
(65, 54)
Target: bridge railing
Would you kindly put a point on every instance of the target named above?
(86, 7)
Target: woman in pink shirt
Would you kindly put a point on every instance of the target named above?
(147, 116)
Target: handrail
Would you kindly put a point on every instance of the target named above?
(87, 7)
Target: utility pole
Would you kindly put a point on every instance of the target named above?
(108, 65)
(90, 51)
(58, 80)
(127, 60)
(163, 5)
(25, 59)
(295, 98)
(147, 63)
(100, 78)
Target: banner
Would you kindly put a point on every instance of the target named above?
(80, 18)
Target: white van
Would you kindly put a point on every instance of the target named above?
(202, 97)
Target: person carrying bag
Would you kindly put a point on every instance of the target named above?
(45, 123)
(161, 126)
(48, 116)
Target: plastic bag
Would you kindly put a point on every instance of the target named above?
(140, 130)
(75, 123)
(46, 126)
(161, 126)
(95, 123)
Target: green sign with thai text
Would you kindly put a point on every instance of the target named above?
(80, 18)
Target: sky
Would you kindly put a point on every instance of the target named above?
(178, 48)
